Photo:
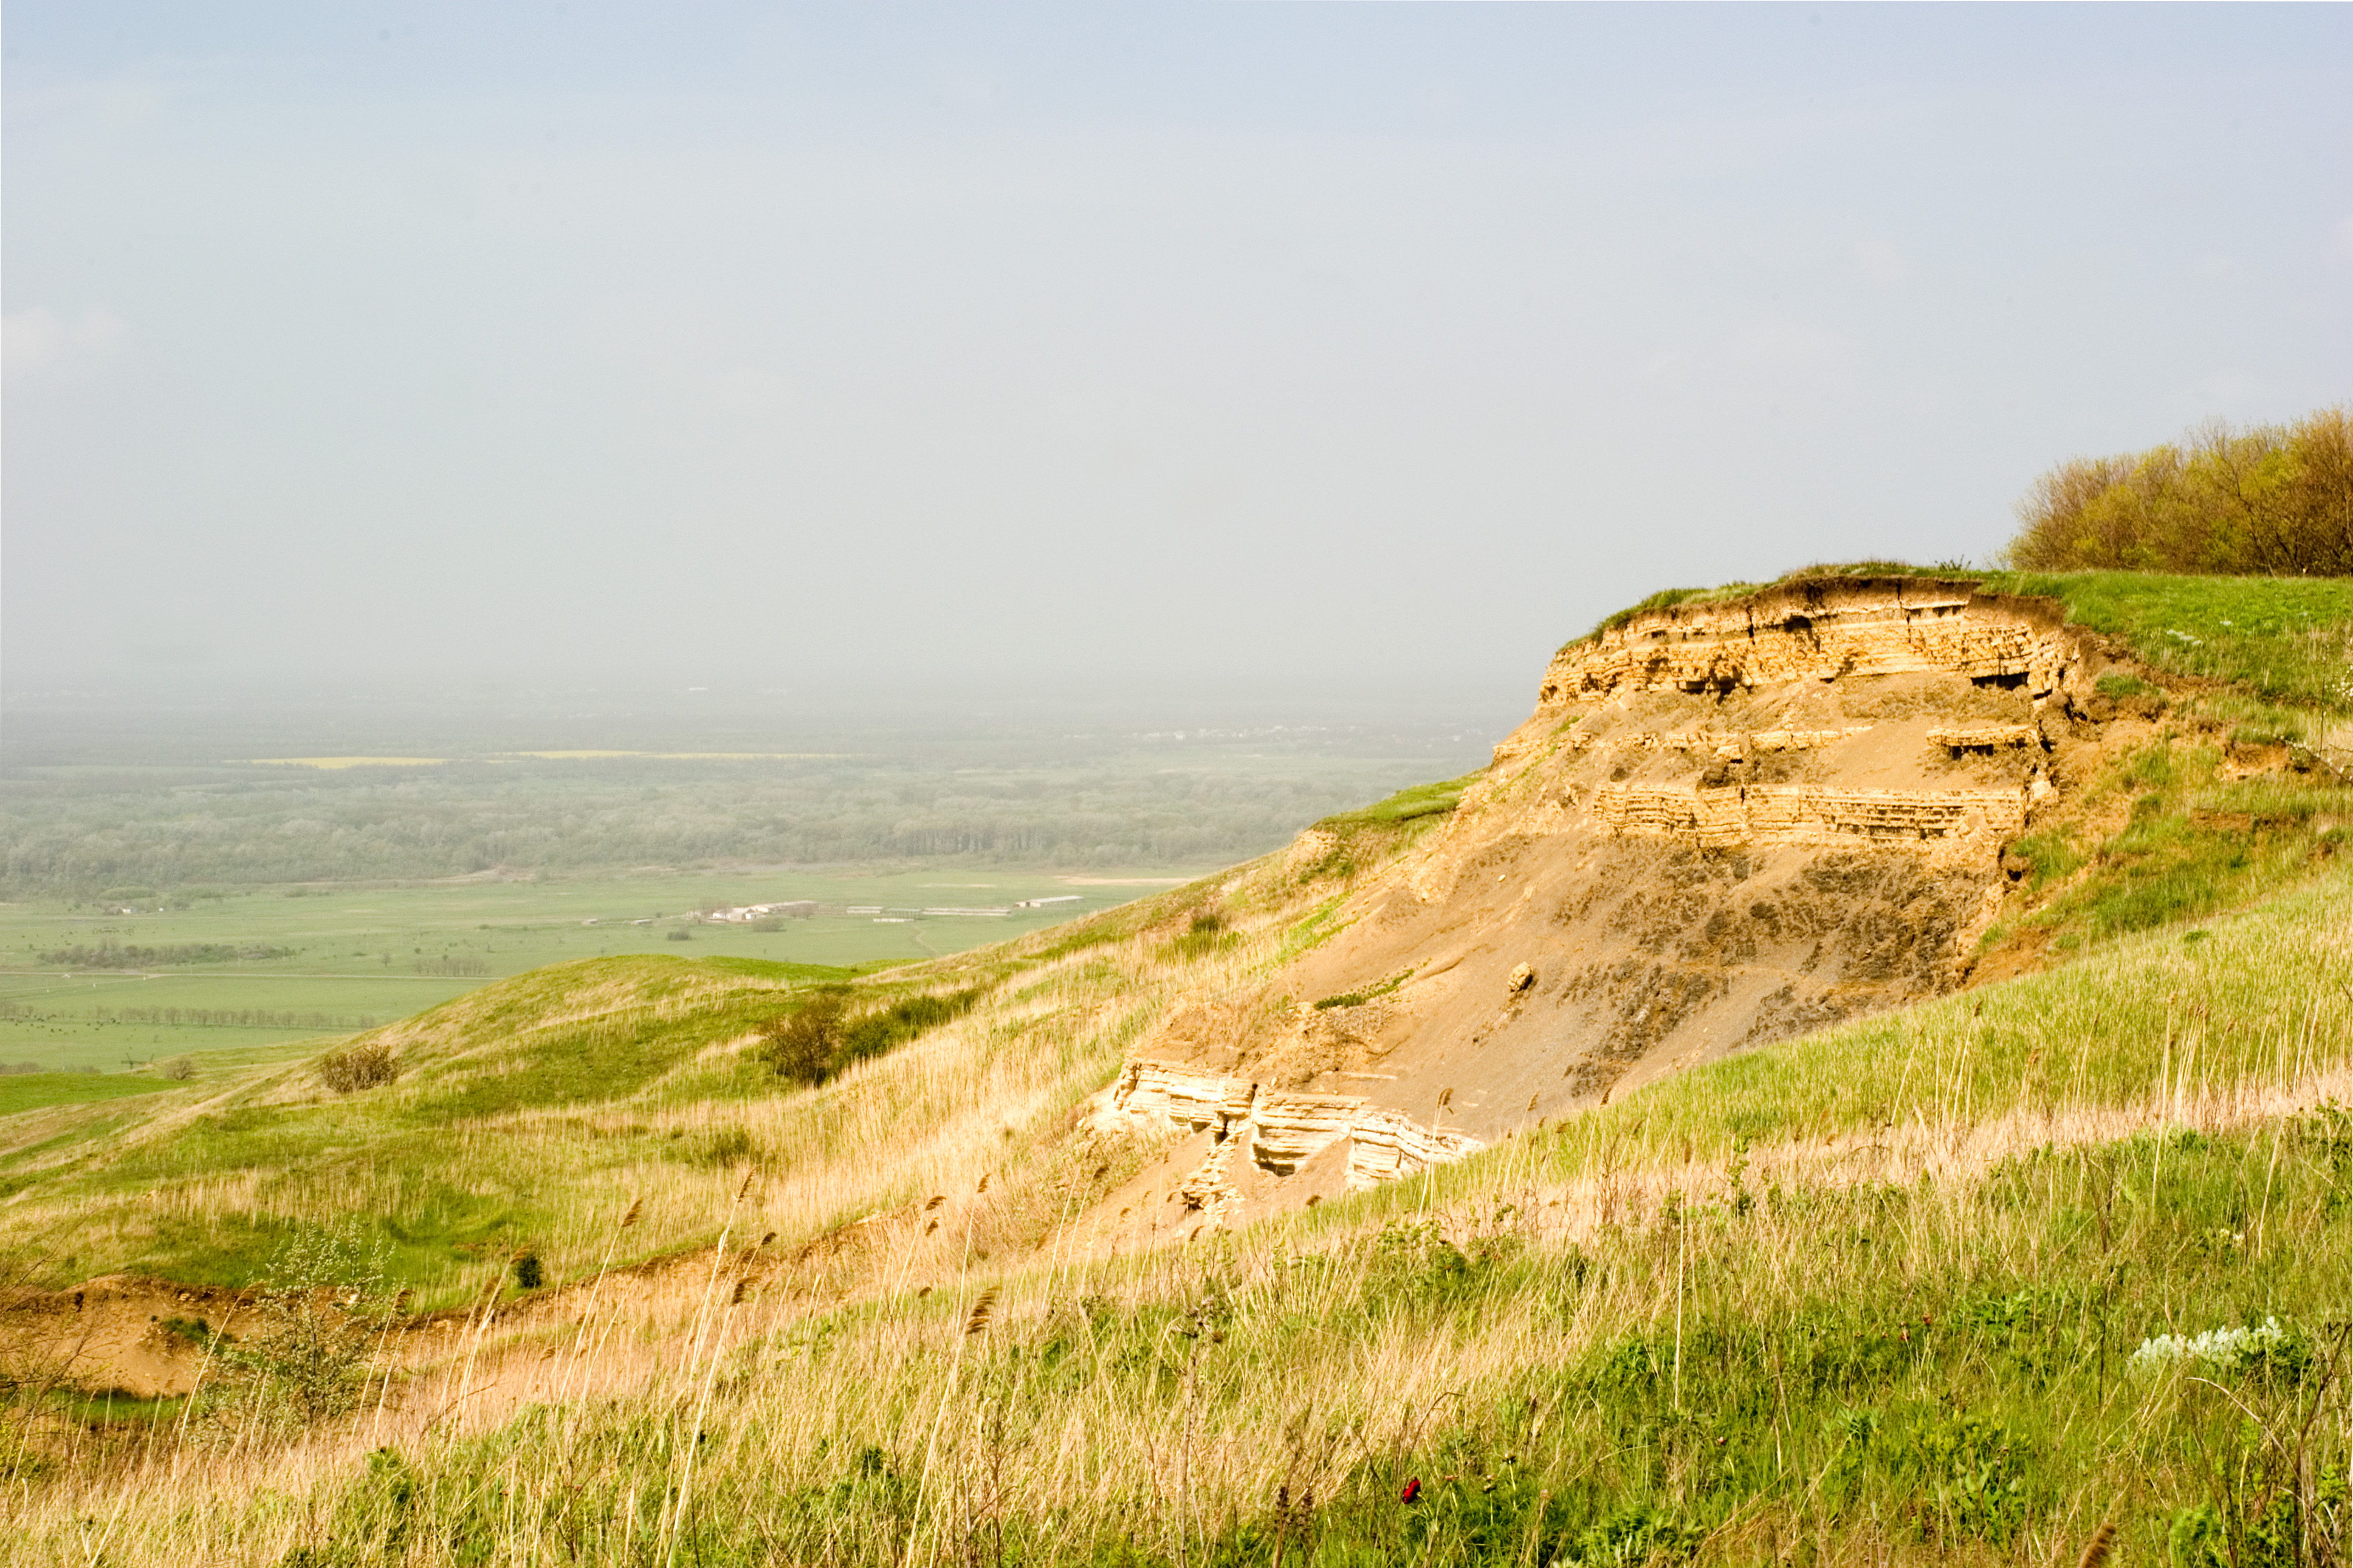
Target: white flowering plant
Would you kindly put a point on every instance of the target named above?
(2268, 1348)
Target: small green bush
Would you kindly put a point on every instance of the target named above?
(728, 1146)
(367, 1064)
(194, 1331)
(801, 1044)
(303, 1356)
(1370, 993)
(874, 1033)
(819, 1038)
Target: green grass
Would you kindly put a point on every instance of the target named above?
(1205, 935)
(1376, 833)
(2272, 800)
(515, 1102)
(1370, 994)
(1867, 1296)
(520, 1109)
(351, 953)
(596, 1033)
(114, 1409)
(517, 1110)
(2116, 686)
(2287, 640)
(36, 1090)
(2261, 998)
(2194, 841)
(1436, 799)
(1665, 598)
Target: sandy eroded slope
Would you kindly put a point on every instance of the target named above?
(1724, 823)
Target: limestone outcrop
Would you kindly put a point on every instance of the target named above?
(1279, 1132)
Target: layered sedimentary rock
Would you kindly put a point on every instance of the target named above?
(1807, 813)
(1289, 1129)
(1985, 737)
(1387, 1144)
(1182, 1096)
(1279, 1132)
(1822, 630)
(1721, 745)
(1724, 823)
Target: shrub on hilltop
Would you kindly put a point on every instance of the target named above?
(2275, 499)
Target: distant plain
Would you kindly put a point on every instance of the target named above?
(334, 899)
(356, 952)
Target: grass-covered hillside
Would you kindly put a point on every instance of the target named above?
(1980, 1281)
(510, 1120)
(2051, 1268)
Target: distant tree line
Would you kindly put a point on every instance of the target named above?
(2274, 499)
(114, 955)
(229, 1019)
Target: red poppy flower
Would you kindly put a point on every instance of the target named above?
(1412, 1490)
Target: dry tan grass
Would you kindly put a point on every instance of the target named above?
(680, 1338)
(869, 1337)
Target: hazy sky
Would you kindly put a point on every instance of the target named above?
(1325, 348)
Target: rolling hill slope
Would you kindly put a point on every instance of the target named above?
(1849, 1025)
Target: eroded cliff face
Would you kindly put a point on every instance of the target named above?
(1724, 823)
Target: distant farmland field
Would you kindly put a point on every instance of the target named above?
(354, 957)
(169, 894)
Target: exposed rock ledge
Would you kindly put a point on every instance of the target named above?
(1281, 1131)
(1809, 815)
(1818, 631)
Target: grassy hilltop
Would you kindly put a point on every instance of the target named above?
(2050, 1269)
